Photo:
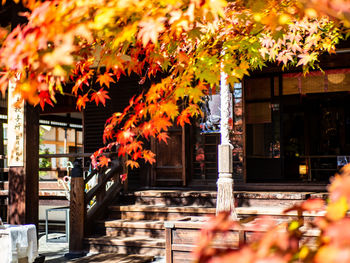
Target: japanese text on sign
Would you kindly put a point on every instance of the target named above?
(15, 127)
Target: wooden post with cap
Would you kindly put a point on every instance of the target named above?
(76, 213)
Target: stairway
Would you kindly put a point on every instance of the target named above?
(136, 224)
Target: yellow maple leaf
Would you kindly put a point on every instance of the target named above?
(132, 164)
(337, 210)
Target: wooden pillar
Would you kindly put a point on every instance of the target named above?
(76, 213)
(23, 197)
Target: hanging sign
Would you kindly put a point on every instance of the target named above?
(15, 128)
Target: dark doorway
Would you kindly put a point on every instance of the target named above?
(297, 128)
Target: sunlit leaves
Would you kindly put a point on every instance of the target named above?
(148, 156)
(125, 136)
(150, 29)
(132, 164)
(81, 101)
(100, 96)
(163, 137)
(45, 98)
(179, 47)
(105, 79)
(104, 161)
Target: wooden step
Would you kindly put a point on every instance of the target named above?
(116, 258)
(273, 211)
(208, 198)
(139, 245)
(129, 228)
(274, 199)
(136, 212)
(176, 198)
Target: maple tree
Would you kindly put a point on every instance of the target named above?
(94, 43)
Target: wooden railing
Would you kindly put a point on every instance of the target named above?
(99, 186)
(91, 191)
(106, 189)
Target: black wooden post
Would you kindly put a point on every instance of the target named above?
(77, 212)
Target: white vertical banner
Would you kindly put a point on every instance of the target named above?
(15, 127)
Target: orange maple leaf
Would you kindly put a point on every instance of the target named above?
(134, 146)
(183, 119)
(148, 130)
(124, 137)
(149, 156)
(100, 96)
(161, 123)
(105, 79)
(108, 133)
(163, 136)
(132, 164)
(103, 161)
(169, 109)
(81, 101)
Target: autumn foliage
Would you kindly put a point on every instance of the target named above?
(185, 44)
(282, 242)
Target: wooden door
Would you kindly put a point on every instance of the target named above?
(170, 166)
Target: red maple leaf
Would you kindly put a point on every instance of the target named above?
(103, 161)
(122, 150)
(105, 79)
(81, 101)
(123, 177)
(44, 96)
(136, 155)
(100, 96)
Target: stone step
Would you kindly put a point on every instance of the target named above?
(129, 228)
(139, 245)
